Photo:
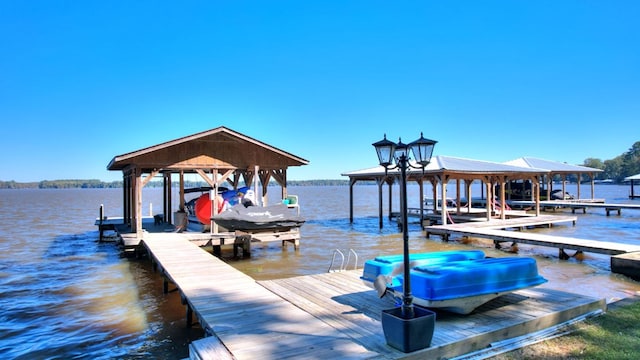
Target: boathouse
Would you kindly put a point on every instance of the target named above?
(219, 156)
(440, 171)
(444, 169)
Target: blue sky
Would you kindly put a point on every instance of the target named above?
(83, 81)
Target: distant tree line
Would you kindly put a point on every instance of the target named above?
(97, 184)
(318, 182)
(61, 184)
(619, 167)
(615, 169)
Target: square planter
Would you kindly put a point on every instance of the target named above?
(408, 335)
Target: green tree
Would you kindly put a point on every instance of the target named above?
(596, 164)
(631, 160)
(614, 169)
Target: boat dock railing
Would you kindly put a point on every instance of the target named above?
(337, 253)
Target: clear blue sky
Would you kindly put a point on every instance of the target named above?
(84, 81)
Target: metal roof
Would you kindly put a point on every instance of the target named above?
(442, 164)
(551, 166)
(479, 166)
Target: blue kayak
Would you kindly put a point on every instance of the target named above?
(462, 286)
(392, 265)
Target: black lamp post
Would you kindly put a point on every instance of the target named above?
(392, 156)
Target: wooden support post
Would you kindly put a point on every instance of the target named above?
(217, 250)
(242, 240)
(563, 255)
(235, 250)
(246, 246)
(100, 219)
(608, 210)
(189, 316)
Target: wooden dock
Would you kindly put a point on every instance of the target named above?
(578, 205)
(342, 300)
(517, 222)
(332, 315)
(244, 320)
(238, 240)
(495, 230)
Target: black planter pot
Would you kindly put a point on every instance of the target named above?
(408, 335)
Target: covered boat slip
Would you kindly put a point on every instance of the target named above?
(219, 156)
(334, 315)
(494, 177)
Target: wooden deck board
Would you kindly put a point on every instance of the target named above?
(494, 230)
(243, 314)
(334, 315)
(508, 316)
(561, 242)
(579, 204)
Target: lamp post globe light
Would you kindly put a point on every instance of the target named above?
(396, 156)
(406, 329)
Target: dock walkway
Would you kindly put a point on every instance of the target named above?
(237, 239)
(333, 315)
(496, 231)
(578, 205)
(246, 320)
(342, 300)
(518, 222)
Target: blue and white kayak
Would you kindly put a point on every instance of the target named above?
(462, 286)
(392, 265)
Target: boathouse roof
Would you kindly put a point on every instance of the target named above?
(219, 156)
(452, 165)
(220, 148)
(554, 167)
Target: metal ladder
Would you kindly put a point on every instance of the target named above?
(343, 264)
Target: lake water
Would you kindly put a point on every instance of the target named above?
(64, 295)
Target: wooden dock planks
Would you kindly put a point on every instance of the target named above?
(515, 222)
(561, 242)
(580, 204)
(333, 315)
(251, 322)
(342, 300)
(494, 230)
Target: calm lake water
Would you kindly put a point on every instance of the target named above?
(64, 295)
